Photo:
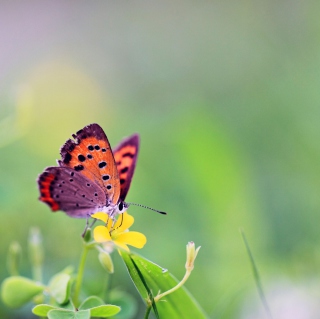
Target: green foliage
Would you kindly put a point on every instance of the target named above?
(64, 292)
(98, 308)
(17, 291)
(67, 314)
(59, 287)
(91, 302)
(42, 310)
(151, 278)
(91, 307)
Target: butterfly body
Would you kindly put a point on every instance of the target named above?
(90, 177)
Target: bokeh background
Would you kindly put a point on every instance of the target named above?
(226, 99)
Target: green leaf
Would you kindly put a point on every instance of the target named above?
(16, 291)
(42, 310)
(59, 287)
(67, 306)
(98, 308)
(91, 302)
(150, 296)
(149, 277)
(67, 314)
(104, 311)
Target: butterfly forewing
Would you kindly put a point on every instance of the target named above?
(90, 177)
(125, 155)
(65, 189)
(91, 156)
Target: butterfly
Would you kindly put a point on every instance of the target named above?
(90, 177)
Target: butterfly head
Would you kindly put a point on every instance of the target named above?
(114, 210)
(121, 207)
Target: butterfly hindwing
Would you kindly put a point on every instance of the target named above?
(125, 155)
(90, 155)
(65, 189)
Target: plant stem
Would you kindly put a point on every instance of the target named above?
(106, 285)
(80, 275)
(256, 276)
(184, 279)
(146, 316)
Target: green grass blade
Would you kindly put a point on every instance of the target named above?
(149, 277)
(256, 276)
(150, 295)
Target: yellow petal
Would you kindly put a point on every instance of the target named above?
(132, 238)
(101, 216)
(104, 217)
(123, 246)
(123, 222)
(101, 234)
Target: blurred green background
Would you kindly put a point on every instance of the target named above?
(226, 99)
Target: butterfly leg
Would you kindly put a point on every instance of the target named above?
(86, 228)
(87, 225)
(108, 220)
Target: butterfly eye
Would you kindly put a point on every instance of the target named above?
(120, 206)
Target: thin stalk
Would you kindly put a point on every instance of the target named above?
(180, 284)
(149, 306)
(80, 275)
(256, 276)
(106, 285)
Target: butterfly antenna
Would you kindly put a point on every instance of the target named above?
(155, 210)
(121, 222)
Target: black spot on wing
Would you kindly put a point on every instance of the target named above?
(102, 164)
(128, 154)
(124, 170)
(81, 158)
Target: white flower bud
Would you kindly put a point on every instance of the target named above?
(191, 255)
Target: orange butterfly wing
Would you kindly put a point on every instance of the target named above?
(125, 155)
(91, 155)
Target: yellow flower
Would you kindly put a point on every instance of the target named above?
(118, 233)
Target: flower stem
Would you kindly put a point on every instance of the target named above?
(180, 284)
(80, 275)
